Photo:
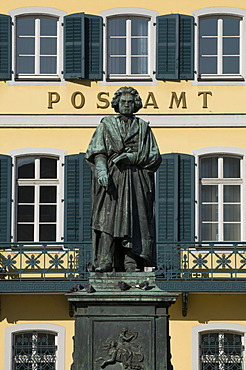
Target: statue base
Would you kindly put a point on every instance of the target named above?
(117, 329)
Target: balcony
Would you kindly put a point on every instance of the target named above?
(181, 267)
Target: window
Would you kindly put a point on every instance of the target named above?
(37, 50)
(36, 46)
(221, 350)
(36, 199)
(129, 40)
(37, 194)
(128, 46)
(218, 346)
(34, 346)
(219, 44)
(34, 350)
(220, 192)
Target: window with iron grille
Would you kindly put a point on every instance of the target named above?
(221, 351)
(34, 350)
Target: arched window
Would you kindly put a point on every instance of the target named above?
(218, 346)
(34, 346)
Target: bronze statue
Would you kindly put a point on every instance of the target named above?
(124, 156)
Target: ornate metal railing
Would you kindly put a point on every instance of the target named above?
(197, 260)
(191, 266)
(47, 261)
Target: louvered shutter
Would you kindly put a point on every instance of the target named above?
(165, 199)
(175, 206)
(175, 47)
(167, 47)
(83, 46)
(93, 47)
(186, 198)
(5, 47)
(186, 47)
(77, 199)
(5, 198)
(74, 47)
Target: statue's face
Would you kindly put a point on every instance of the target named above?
(126, 104)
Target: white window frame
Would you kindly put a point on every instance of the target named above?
(38, 78)
(58, 330)
(148, 79)
(49, 152)
(214, 151)
(198, 330)
(221, 79)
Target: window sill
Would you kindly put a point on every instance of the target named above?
(222, 77)
(37, 80)
(132, 77)
(29, 77)
(30, 247)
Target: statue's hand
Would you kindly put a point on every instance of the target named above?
(103, 179)
(126, 158)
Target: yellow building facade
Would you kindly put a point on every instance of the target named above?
(188, 62)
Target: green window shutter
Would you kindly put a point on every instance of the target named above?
(175, 202)
(165, 199)
(5, 47)
(186, 205)
(83, 42)
(5, 198)
(167, 47)
(93, 47)
(77, 199)
(186, 48)
(74, 47)
(175, 47)
(174, 210)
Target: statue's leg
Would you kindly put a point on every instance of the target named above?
(130, 261)
(106, 247)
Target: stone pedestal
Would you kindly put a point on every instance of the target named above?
(116, 329)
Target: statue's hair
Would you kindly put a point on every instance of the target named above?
(126, 90)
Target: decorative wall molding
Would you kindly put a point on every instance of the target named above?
(92, 120)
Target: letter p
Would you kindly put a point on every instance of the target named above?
(53, 97)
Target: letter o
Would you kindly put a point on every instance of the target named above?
(73, 100)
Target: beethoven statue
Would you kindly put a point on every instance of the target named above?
(124, 156)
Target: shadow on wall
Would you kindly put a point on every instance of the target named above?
(81, 82)
(203, 308)
(34, 307)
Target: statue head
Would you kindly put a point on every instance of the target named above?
(126, 101)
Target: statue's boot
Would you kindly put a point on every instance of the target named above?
(106, 247)
(130, 262)
(104, 268)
